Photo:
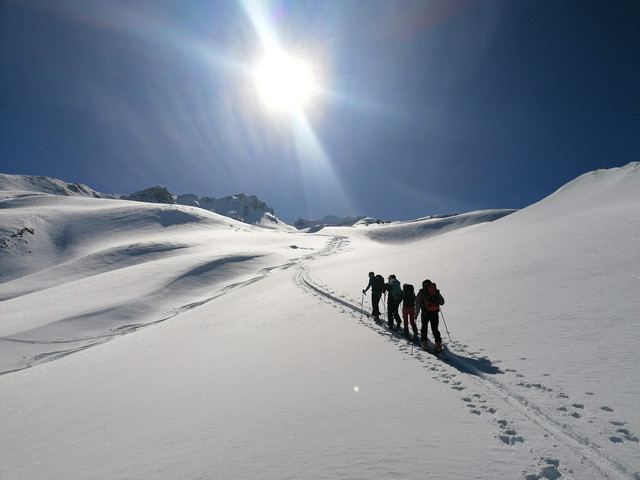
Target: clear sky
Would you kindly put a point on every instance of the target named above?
(417, 107)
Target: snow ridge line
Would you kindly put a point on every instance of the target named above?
(580, 445)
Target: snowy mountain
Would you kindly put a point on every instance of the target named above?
(46, 185)
(157, 194)
(142, 340)
(332, 221)
(244, 208)
(241, 207)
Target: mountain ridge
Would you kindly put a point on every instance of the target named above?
(243, 207)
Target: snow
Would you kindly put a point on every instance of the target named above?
(245, 208)
(169, 342)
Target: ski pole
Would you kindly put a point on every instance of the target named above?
(445, 325)
(384, 304)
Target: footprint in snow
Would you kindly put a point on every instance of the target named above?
(511, 439)
(509, 436)
(625, 435)
(549, 471)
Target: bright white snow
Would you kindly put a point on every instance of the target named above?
(148, 341)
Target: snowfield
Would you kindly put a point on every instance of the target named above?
(147, 341)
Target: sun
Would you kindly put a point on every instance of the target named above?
(284, 82)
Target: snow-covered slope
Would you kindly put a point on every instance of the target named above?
(221, 350)
(434, 225)
(12, 185)
(330, 220)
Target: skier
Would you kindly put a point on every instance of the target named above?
(393, 301)
(409, 311)
(428, 302)
(376, 283)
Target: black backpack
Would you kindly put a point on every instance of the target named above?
(378, 283)
(409, 294)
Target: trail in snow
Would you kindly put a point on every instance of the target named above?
(476, 379)
(82, 343)
(507, 402)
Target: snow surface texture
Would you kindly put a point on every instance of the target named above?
(168, 342)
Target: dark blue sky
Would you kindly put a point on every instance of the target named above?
(427, 106)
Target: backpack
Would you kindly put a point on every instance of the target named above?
(409, 294)
(378, 283)
(396, 290)
(432, 298)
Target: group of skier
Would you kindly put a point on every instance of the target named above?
(427, 302)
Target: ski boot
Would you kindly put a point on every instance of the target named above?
(438, 348)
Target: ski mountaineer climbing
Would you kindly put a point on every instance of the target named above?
(409, 311)
(393, 301)
(428, 302)
(376, 283)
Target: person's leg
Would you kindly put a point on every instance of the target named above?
(396, 306)
(412, 319)
(425, 327)
(435, 321)
(375, 301)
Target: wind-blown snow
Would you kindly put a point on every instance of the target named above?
(164, 341)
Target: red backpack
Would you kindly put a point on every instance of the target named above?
(432, 298)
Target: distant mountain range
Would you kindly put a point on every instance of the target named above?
(333, 221)
(242, 207)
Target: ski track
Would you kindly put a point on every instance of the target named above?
(467, 372)
(475, 378)
(79, 344)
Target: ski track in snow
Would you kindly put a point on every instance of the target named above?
(472, 375)
(484, 394)
(82, 343)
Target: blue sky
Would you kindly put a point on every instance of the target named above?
(424, 107)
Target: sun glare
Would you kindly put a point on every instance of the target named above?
(284, 82)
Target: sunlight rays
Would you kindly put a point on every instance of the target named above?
(286, 83)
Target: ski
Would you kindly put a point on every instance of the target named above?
(398, 332)
(439, 355)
